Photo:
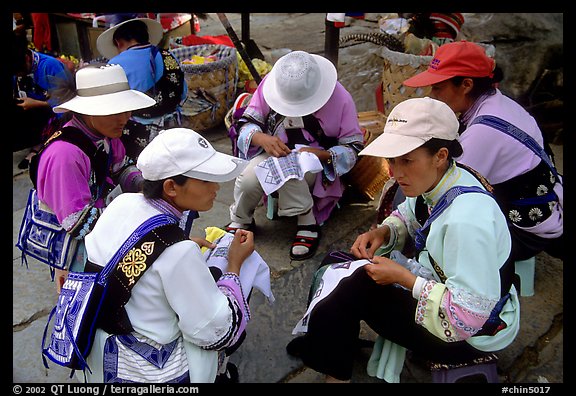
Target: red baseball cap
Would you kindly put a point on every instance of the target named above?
(460, 58)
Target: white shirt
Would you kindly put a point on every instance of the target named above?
(177, 295)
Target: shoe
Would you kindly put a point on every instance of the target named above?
(232, 230)
(230, 376)
(296, 346)
(25, 163)
(309, 242)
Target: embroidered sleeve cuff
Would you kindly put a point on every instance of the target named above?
(418, 285)
(247, 131)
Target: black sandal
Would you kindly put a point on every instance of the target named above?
(311, 243)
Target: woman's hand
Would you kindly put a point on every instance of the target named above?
(241, 248)
(323, 155)
(271, 144)
(29, 103)
(203, 243)
(385, 271)
(59, 278)
(367, 243)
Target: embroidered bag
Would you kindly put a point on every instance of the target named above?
(84, 294)
(41, 235)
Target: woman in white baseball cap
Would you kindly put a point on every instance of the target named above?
(299, 103)
(437, 279)
(84, 161)
(178, 298)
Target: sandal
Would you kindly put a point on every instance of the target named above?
(305, 240)
(232, 230)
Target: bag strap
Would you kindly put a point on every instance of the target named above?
(98, 160)
(518, 134)
(506, 271)
(133, 239)
(444, 202)
(114, 319)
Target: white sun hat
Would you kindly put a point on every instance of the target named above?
(299, 84)
(104, 90)
(105, 42)
(182, 151)
(411, 124)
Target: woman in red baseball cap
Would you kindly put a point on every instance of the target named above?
(503, 142)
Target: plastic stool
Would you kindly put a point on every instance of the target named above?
(449, 375)
(525, 270)
(486, 366)
(271, 205)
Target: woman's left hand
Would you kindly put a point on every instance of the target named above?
(385, 271)
(323, 155)
(203, 242)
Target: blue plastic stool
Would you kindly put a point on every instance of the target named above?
(486, 366)
(271, 206)
(525, 270)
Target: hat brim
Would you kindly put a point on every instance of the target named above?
(102, 105)
(390, 145)
(218, 168)
(329, 76)
(425, 79)
(105, 42)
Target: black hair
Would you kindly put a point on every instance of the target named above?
(133, 30)
(454, 147)
(154, 189)
(482, 85)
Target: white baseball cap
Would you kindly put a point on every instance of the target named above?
(299, 84)
(182, 151)
(411, 124)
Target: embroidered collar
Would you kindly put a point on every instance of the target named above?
(139, 46)
(164, 207)
(35, 61)
(448, 180)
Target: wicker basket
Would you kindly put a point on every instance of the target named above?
(211, 86)
(370, 173)
(398, 67)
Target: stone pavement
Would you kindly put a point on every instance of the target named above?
(535, 356)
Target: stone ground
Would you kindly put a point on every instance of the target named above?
(536, 356)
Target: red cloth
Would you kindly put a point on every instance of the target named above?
(42, 38)
(192, 39)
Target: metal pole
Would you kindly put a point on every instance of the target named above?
(245, 57)
(331, 42)
(245, 27)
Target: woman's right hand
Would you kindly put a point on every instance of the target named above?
(367, 243)
(59, 278)
(241, 248)
(271, 144)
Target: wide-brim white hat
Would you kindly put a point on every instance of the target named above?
(104, 91)
(299, 84)
(105, 42)
(182, 151)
